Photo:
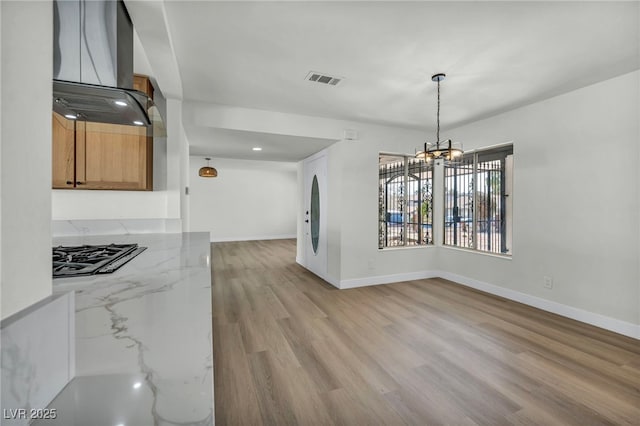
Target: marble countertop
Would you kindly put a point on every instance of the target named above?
(143, 337)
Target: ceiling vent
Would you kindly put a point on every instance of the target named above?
(317, 77)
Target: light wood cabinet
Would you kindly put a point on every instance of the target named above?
(89, 155)
(113, 157)
(143, 84)
(63, 152)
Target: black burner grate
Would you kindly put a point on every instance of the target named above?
(92, 259)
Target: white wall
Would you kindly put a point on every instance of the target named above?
(575, 199)
(25, 231)
(177, 163)
(353, 255)
(79, 204)
(354, 258)
(575, 209)
(248, 200)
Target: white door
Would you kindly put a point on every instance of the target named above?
(315, 214)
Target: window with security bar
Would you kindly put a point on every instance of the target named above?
(405, 202)
(477, 203)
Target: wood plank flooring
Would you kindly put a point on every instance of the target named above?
(289, 349)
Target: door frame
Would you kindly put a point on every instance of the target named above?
(315, 262)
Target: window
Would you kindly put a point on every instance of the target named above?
(405, 201)
(477, 203)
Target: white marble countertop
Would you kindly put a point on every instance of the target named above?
(143, 337)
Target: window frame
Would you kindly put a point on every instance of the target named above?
(508, 205)
(406, 223)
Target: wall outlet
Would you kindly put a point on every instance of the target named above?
(548, 282)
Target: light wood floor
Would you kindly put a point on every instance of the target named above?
(291, 349)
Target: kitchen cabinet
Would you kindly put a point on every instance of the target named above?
(63, 151)
(143, 84)
(88, 155)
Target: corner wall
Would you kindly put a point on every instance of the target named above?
(25, 129)
(354, 259)
(361, 260)
(576, 208)
(575, 200)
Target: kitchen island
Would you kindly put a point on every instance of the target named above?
(142, 336)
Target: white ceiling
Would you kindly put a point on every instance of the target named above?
(231, 143)
(497, 56)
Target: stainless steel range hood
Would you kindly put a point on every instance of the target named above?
(93, 64)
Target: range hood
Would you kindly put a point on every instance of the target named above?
(93, 64)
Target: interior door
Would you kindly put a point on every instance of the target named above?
(315, 215)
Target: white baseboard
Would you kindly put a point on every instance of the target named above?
(598, 320)
(602, 321)
(325, 277)
(386, 279)
(251, 238)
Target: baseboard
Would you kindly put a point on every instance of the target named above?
(386, 279)
(602, 321)
(327, 278)
(617, 326)
(251, 238)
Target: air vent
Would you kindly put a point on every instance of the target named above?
(317, 77)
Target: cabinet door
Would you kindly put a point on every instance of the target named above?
(63, 152)
(112, 156)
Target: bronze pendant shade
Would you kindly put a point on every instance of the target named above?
(207, 171)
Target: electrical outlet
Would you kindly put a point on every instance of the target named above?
(548, 282)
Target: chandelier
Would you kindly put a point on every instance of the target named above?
(446, 150)
(207, 171)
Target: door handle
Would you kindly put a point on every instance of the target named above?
(307, 220)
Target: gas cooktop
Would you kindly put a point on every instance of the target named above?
(92, 259)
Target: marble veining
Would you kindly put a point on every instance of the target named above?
(143, 336)
(36, 356)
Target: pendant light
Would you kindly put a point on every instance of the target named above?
(447, 150)
(207, 171)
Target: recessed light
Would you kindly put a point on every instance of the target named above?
(257, 148)
(138, 123)
(71, 116)
(136, 385)
(120, 103)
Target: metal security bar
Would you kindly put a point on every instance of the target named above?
(477, 211)
(405, 201)
(458, 203)
(490, 207)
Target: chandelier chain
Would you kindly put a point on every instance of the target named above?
(438, 117)
(450, 152)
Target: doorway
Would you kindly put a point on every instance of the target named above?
(315, 214)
